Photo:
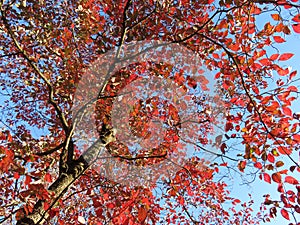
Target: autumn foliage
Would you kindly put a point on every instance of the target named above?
(47, 174)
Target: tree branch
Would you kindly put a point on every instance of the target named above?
(64, 181)
(231, 56)
(36, 69)
(49, 152)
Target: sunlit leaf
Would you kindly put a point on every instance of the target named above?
(285, 56)
(285, 214)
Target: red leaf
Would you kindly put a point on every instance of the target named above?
(96, 203)
(274, 57)
(242, 165)
(181, 200)
(99, 212)
(285, 56)
(267, 178)
(292, 75)
(293, 88)
(276, 177)
(223, 147)
(271, 158)
(291, 180)
(287, 111)
(283, 171)
(285, 151)
(228, 126)
(278, 39)
(27, 180)
(296, 28)
(217, 169)
(46, 205)
(296, 18)
(285, 214)
(9, 137)
(7, 160)
(282, 72)
(265, 62)
(236, 201)
(296, 137)
(16, 175)
(258, 165)
(255, 89)
(48, 177)
(191, 82)
(217, 75)
(142, 214)
(110, 205)
(146, 202)
(216, 56)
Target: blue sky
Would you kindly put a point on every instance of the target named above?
(258, 188)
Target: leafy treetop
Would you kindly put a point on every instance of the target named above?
(45, 49)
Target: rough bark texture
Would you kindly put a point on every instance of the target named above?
(65, 180)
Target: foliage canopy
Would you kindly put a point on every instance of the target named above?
(46, 47)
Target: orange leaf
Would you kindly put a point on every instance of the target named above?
(276, 177)
(275, 17)
(279, 164)
(282, 72)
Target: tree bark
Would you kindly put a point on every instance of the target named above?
(65, 180)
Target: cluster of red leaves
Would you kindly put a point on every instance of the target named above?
(47, 45)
